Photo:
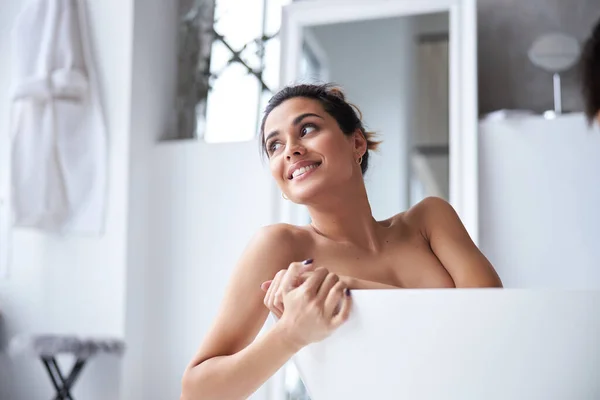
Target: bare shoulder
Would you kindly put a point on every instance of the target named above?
(430, 205)
(280, 238)
(272, 234)
(441, 226)
(430, 210)
(276, 246)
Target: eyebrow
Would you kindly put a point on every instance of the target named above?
(295, 122)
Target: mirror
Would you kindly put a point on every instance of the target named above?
(410, 68)
(404, 99)
(396, 71)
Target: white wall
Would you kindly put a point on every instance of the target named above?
(73, 284)
(377, 77)
(207, 201)
(193, 208)
(540, 201)
(152, 96)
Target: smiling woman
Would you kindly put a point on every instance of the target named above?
(318, 151)
(299, 122)
(333, 102)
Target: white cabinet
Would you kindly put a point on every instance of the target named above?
(539, 188)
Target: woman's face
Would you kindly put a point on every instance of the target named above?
(308, 152)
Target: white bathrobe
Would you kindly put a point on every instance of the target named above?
(59, 149)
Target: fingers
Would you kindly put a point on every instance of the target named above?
(328, 283)
(270, 296)
(277, 306)
(334, 299)
(265, 285)
(293, 276)
(283, 282)
(313, 283)
(268, 300)
(302, 277)
(290, 280)
(344, 312)
(278, 299)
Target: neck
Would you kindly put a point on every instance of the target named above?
(346, 217)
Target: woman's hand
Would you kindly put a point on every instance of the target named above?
(284, 281)
(316, 308)
(298, 273)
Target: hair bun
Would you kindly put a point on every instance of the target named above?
(372, 144)
(337, 92)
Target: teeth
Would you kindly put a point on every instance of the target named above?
(303, 170)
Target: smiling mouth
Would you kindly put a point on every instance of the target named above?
(301, 171)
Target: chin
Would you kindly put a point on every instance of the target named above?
(305, 193)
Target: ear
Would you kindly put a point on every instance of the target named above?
(360, 143)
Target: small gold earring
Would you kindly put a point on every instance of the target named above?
(359, 161)
(284, 196)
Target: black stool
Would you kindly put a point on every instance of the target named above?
(47, 347)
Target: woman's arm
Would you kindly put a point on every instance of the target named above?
(351, 282)
(239, 375)
(228, 364)
(355, 283)
(453, 246)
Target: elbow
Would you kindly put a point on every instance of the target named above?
(186, 386)
(191, 384)
(196, 385)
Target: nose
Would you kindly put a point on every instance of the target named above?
(294, 149)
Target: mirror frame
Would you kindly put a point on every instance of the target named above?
(463, 140)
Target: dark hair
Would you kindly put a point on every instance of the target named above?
(333, 100)
(590, 68)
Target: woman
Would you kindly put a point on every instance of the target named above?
(590, 64)
(318, 152)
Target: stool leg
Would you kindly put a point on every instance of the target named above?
(74, 374)
(62, 385)
(64, 390)
(50, 368)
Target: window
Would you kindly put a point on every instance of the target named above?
(241, 71)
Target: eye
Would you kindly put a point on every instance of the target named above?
(308, 128)
(273, 147)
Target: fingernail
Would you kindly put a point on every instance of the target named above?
(307, 262)
(347, 291)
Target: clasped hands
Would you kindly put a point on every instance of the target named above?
(304, 276)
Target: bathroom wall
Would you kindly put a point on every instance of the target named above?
(72, 284)
(539, 215)
(188, 222)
